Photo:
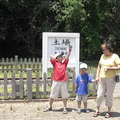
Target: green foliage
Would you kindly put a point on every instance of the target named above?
(79, 17)
(110, 15)
(23, 21)
(72, 14)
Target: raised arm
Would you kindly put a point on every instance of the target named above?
(68, 51)
(52, 57)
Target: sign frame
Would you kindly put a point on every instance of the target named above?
(46, 58)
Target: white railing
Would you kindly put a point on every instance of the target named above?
(15, 65)
(30, 87)
(12, 88)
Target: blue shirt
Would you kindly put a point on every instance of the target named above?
(82, 84)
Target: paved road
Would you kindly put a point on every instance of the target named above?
(34, 111)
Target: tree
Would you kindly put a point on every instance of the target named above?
(22, 23)
(110, 15)
(82, 16)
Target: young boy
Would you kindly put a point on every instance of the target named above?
(81, 87)
(59, 79)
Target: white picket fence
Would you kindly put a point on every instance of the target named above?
(15, 65)
(33, 88)
(29, 87)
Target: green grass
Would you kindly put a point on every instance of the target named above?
(17, 75)
(24, 74)
(91, 65)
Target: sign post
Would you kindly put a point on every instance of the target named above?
(57, 42)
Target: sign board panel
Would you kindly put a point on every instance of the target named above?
(57, 42)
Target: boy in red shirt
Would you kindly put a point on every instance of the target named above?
(59, 79)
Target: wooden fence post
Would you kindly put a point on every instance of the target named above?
(21, 86)
(11, 60)
(29, 84)
(3, 60)
(37, 85)
(44, 84)
(13, 86)
(16, 64)
(5, 86)
(73, 85)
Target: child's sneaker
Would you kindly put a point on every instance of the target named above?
(78, 111)
(64, 111)
(87, 111)
(47, 109)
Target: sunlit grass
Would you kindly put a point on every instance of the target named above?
(91, 69)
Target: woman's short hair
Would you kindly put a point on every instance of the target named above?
(108, 46)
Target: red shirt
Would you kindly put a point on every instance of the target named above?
(59, 72)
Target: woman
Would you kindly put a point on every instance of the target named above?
(109, 62)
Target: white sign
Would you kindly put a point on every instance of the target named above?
(57, 42)
(60, 45)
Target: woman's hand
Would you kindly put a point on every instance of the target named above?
(97, 79)
(107, 68)
(111, 68)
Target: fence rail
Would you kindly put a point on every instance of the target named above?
(20, 65)
(29, 88)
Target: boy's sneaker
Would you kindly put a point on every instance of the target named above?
(78, 111)
(47, 109)
(64, 111)
(87, 111)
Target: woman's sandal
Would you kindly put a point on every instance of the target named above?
(95, 114)
(47, 109)
(107, 115)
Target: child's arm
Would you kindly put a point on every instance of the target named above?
(94, 80)
(68, 51)
(90, 79)
(75, 88)
(52, 57)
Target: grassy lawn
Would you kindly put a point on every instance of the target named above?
(92, 65)
(91, 69)
(17, 75)
(24, 74)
